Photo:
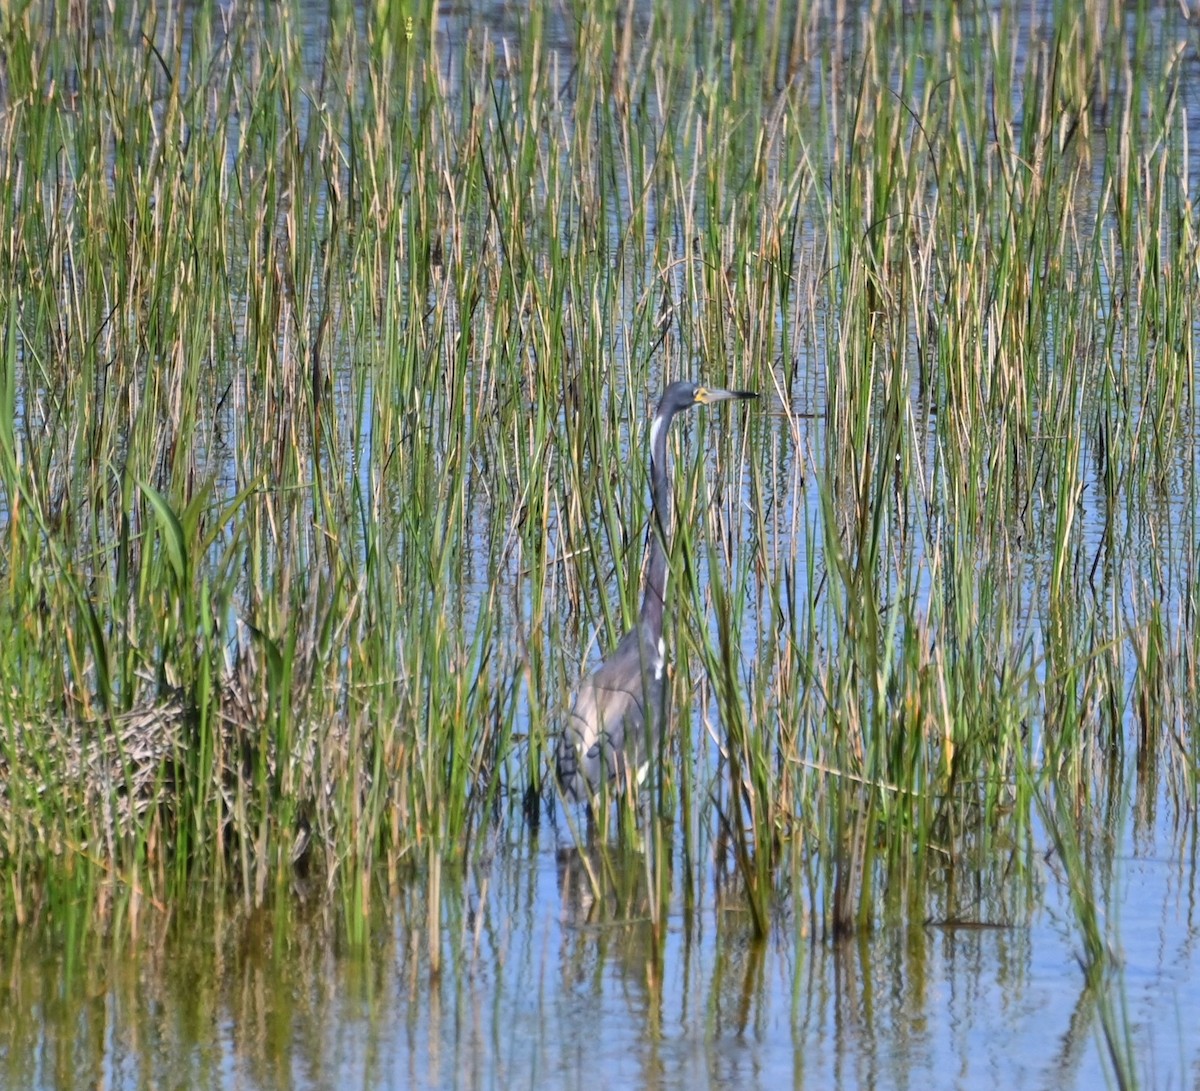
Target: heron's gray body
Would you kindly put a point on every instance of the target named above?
(615, 712)
(617, 715)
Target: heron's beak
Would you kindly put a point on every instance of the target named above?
(706, 395)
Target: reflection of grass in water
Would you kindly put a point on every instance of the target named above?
(322, 446)
(1087, 873)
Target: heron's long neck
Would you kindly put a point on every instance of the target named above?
(660, 517)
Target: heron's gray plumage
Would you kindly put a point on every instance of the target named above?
(618, 710)
(604, 738)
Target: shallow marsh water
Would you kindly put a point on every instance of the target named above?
(543, 988)
(969, 966)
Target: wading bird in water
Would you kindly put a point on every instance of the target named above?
(618, 711)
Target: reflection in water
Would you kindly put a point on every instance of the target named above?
(554, 975)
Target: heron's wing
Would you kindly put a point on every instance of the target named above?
(607, 719)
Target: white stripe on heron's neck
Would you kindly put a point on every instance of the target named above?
(654, 429)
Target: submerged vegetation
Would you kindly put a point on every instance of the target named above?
(328, 356)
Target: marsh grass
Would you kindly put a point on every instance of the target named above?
(328, 357)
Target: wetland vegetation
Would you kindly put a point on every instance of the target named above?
(330, 343)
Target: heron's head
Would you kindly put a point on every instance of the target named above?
(684, 395)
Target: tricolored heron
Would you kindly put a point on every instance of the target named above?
(605, 736)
